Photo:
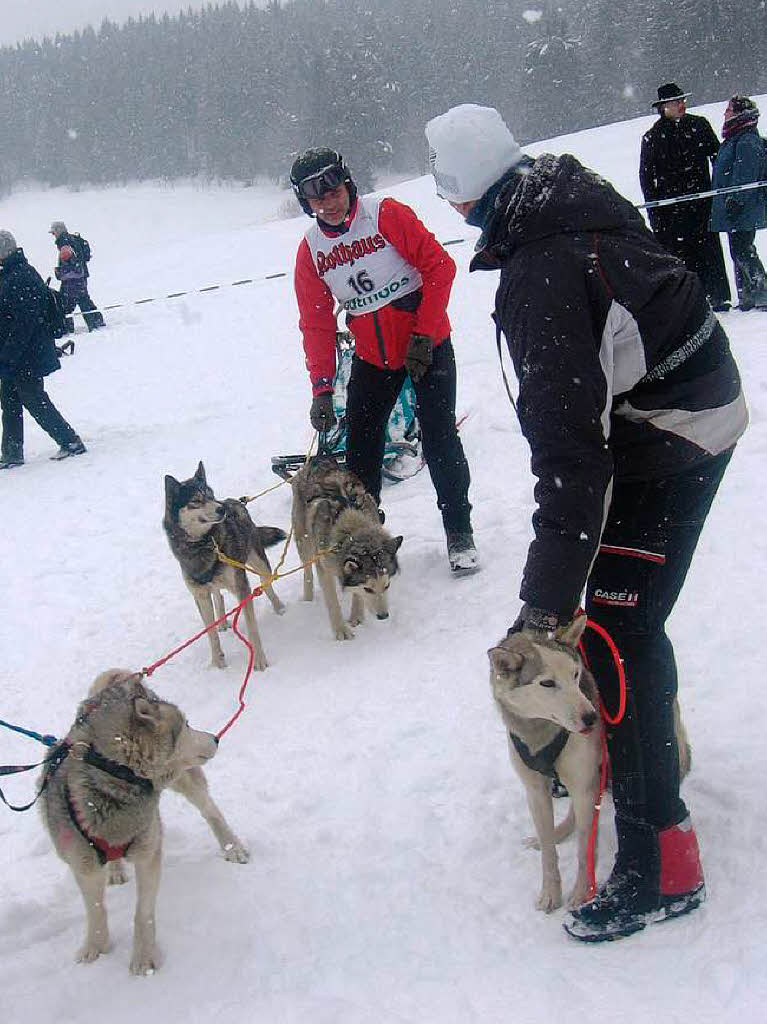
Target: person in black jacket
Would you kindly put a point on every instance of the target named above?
(72, 271)
(27, 354)
(675, 161)
(631, 402)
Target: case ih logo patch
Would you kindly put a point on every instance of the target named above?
(621, 598)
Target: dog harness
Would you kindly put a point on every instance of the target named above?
(104, 851)
(543, 760)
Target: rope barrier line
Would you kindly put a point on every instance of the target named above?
(450, 241)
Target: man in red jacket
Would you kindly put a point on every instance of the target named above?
(393, 279)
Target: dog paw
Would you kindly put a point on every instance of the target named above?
(236, 853)
(218, 661)
(355, 620)
(90, 951)
(578, 895)
(550, 898)
(344, 632)
(143, 963)
(531, 843)
(116, 873)
(279, 608)
(260, 663)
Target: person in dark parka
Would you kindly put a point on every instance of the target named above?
(27, 354)
(742, 159)
(632, 404)
(675, 161)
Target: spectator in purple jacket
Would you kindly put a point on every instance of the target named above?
(72, 271)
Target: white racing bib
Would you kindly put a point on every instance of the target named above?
(361, 268)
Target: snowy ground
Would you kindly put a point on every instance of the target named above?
(370, 779)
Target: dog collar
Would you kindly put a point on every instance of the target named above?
(92, 757)
(543, 760)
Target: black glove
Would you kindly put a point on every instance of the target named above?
(321, 414)
(418, 358)
(733, 206)
(537, 620)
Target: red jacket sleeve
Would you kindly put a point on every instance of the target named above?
(316, 321)
(400, 226)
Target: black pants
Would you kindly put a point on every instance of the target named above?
(370, 398)
(19, 393)
(750, 275)
(647, 546)
(82, 299)
(702, 254)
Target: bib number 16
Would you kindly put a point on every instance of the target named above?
(361, 282)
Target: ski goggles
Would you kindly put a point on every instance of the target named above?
(319, 184)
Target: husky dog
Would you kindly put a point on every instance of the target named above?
(101, 803)
(332, 512)
(196, 522)
(550, 706)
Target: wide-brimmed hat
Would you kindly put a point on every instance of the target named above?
(668, 93)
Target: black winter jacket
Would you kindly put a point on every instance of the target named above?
(27, 347)
(623, 369)
(75, 242)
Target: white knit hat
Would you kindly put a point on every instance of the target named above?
(470, 148)
(7, 244)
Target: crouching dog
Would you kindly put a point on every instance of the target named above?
(101, 804)
(337, 527)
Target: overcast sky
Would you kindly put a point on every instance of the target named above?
(24, 19)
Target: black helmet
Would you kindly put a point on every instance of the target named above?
(317, 171)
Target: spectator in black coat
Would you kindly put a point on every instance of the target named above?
(631, 402)
(27, 354)
(675, 161)
(72, 271)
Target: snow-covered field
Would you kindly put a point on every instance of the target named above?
(370, 779)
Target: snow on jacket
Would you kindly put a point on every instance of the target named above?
(27, 347)
(674, 161)
(740, 161)
(360, 270)
(624, 371)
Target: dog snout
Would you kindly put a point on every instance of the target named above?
(221, 511)
(382, 615)
(589, 719)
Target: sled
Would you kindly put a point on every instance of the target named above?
(403, 453)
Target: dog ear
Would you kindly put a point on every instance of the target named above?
(394, 544)
(172, 488)
(573, 631)
(146, 710)
(505, 664)
(200, 474)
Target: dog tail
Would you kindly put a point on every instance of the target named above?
(270, 535)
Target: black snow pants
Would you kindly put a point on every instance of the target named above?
(19, 393)
(370, 398)
(72, 298)
(646, 549)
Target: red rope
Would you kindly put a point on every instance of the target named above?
(618, 661)
(149, 669)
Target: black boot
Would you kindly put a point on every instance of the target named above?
(461, 553)
(657, 876)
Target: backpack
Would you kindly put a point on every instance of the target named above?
(83, 247)
(53, 311)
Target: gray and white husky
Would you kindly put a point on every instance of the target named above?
(550, 706)
(196, 522)
(334, 514)
(102, 803)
